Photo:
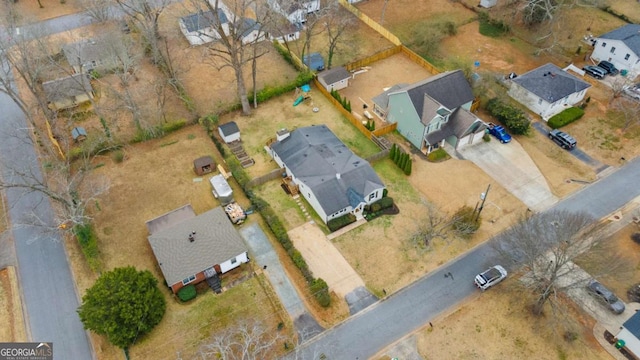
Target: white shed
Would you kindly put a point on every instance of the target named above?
(334, 79)
(221, 189)
(229, 132)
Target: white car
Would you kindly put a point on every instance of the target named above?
(490, 277)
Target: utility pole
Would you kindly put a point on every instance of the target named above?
(483, 196)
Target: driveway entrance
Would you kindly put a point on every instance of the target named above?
(510, 166)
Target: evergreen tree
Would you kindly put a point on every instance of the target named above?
(393, 151)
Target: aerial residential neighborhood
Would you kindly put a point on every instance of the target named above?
(325, 179)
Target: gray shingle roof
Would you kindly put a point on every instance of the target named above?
(633, 324)
(334, 75)
(202, 20)
(450, 89)
(550, 83)
(316, 156)
(81, 52)
(229, 128)
(382, 100)
(216, 241)
(67, 87)
(629, 34)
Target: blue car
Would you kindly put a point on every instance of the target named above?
(500, 133)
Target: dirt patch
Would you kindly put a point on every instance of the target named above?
(324, 260)
(30, 11)
(11, 307)
(510, 331)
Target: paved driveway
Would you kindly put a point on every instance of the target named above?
(326, 262)
(510, 166)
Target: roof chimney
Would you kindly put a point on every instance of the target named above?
(338, 176)
(282, 134)
(192, 236)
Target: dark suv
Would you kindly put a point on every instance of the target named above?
(608, 67)
(563, 139)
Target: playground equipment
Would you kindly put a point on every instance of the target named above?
(302, 94)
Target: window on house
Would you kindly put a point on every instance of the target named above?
(234, 260)
(626, 57)
(604, 44)
(613, 49)
(188, 280)
(373, 196)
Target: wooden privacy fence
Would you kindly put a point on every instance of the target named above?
(419, 60)
(272, 175)
(385, 129)
(372, 23)
(357, 123)
(373, 58)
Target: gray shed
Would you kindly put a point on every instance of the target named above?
(221, 189)
(229, 132)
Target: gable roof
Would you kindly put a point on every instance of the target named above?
(85, 51)
(629, 34)
(216, 241)
(382, 100)
(550, 83)
(450, 89)
(337, 177)
(334, 75)
(459, 122)
(203, 20)
(633, 324)
(229, 128)
(67, 87)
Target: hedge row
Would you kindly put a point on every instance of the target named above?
(187, 293)
(567, 116)
(88, 241)
(400, 158)
(269, 92)
(158, 131)
(340, 222)
(511, 117)
(346, 104)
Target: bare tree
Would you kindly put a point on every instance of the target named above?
(98, 10)
(237, 41)
(146, 16)
(338, 22)
(436, 225)
(628, 111)
(545, 245)
(245, 341)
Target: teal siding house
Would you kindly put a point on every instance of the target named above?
(432, 111)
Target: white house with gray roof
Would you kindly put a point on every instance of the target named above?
(190, 248)
(201, 27)
(334, 180)
(621, 47)
(432, 111)
(548, 90)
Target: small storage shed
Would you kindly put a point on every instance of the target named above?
(229, 132)
(314, 61)
(488, 3)
(204, 165)
(78, 134)
(221, 189)
(334, 79)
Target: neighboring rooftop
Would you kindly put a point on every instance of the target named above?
(64, 88)
(229, 128)
(84, 51)
(203, 20)
(215, 241)
(629, 34)
(319, 159)
(551, 83)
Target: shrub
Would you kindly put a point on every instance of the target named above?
(187, 293)
(491, 27)
(173, 126)
(636, 237)
(511, 117)
(320, 291)
(385, 202)
(465, 221)
(88, 241)
(486, 137)
(567, 116)
(437, 155)
(375, 207)
(118, 156)
(340, 222)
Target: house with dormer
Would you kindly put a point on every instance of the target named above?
(548, 90)
(295, 10)
(621, 47)
(432, 112)
(333, 179)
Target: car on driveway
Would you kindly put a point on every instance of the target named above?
(605, 296)
(490, 277)
(633, 91)
(594, 71)
(563, 139)
(608, 67)
(500, 133)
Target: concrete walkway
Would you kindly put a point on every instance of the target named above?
(263, 255)
(510, 165)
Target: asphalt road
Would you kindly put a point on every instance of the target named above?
(48, 291)
(367, 333)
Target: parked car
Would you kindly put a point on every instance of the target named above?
(490, 277)
(499, 132)
(594, 71)
(604, 295)
(608, 67)
(563, 139)
(633, 91)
